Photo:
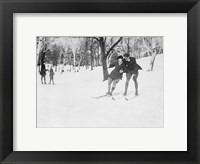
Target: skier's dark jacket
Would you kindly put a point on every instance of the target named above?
(131, 66)
(115, 74)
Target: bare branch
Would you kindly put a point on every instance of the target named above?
(146, 45)
(96, 38)
(113, 46)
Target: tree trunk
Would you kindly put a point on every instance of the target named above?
(91, 63)
(128, 46)
(40, 53)
(86, 54)
(98, 56)
(104, 58)
(152, 62)
(153, 57)
(105, 69)
(74, 60)
(79, 64)
(91, 57)
(86, 61)
(70, 63)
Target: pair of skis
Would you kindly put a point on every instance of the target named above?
(117, 97)
(127, 97)
(106, 95)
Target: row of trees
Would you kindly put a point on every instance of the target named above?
(94, 51)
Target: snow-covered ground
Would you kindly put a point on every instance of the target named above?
(71, 103)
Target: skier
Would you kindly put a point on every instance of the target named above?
(115, 75)
(43, 73)
(51, 75)
(131, 70)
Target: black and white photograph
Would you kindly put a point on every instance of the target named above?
(100, 81)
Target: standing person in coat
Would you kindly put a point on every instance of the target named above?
(115, 75)
(43, 73)
(131, 71)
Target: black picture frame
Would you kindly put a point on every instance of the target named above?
(8, 7)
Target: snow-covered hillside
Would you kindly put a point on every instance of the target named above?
(71, 103)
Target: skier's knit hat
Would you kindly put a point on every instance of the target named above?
(126, 55)
(120, 57)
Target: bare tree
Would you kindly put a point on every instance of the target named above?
(153, 45)
(41, 51)
(126, 44)
(91, 43)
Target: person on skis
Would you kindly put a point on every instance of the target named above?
(131, 71)
(115, 75)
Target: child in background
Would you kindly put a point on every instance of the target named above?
(51, 74)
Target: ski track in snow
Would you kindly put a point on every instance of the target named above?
(69, 102)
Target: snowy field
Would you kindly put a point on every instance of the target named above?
(71, 101)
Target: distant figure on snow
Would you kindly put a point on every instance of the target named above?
(43, 73)
(51, 75)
